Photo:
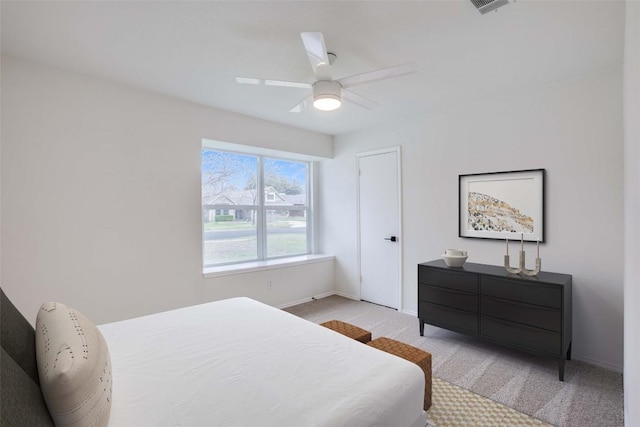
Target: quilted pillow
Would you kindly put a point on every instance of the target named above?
(74, 367)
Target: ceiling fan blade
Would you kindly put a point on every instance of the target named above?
(384, 73)
(252, 81)
(317, 53)
(358, 100)
(249, 81)
(287, 84)
(302, 105)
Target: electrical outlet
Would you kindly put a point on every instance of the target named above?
(269, 284)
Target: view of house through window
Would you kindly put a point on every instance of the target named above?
(253, 207)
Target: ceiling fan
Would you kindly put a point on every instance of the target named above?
(327, 94)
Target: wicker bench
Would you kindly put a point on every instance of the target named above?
(412, 354)
(348, 330)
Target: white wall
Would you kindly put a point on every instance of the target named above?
(101, 195)
(572, 129)
(279, 287)
(632, 213)
(101, 201)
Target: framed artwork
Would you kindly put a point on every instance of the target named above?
(502, 205)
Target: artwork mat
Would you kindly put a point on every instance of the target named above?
(525, 188)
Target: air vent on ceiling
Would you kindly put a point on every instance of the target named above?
(485, 6)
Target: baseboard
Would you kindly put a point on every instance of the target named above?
(599, 363)
(410, 313)
(302, 301)
(342, 294)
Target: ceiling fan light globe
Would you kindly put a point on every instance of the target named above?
(327, 102)
(326, 95)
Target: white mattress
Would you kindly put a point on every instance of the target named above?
(239, 362)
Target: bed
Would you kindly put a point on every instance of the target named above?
(238, 362)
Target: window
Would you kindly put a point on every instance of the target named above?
(253, 207)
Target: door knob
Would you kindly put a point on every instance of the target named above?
(392, 238)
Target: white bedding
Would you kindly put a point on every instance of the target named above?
(239, 362)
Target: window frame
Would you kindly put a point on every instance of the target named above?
(261, 209)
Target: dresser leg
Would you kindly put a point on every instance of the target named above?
(569, 352)
(421, 327)
(561, 369)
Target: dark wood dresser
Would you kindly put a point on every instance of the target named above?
(532, 314)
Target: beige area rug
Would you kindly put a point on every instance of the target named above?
(453, 406)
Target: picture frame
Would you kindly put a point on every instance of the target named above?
(502, 205)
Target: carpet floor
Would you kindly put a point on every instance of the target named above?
(589, 395)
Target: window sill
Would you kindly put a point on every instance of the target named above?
(250, 267)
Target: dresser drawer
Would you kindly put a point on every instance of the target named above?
(447, 317)
(548, 296)
(447, 297)
(533, 315)
(467, 282)
(521, 335)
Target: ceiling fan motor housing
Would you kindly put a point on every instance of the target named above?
(327, 91)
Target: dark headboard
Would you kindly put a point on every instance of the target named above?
(22, 403)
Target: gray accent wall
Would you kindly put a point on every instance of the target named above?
(632, 213)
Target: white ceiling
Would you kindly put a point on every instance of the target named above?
(194, 50)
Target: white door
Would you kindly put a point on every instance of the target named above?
(379, 227)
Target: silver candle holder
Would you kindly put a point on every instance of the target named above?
(521, 267)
